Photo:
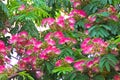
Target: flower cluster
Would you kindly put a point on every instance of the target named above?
(66, 60)
(95, 46)
(3, 56)
(83, 65)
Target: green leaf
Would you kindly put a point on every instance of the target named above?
(98, 77)
(110, 1)
(104, 14)
(3, 77)
(25, 76)
(29, 26)
(107, 66)
(62, 69)
(117, 41)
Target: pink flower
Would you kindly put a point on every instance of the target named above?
(39, 74)
(13, 39)
(23, 34)
(112, 9)
(117, 77)
(87, 49)
(37, 44)
(56, 51)
(86, 32)
(2, 68)
(29, 52)
(89, 64)
(96, 60)
(21, 8)
(51, 42)
(114, 17)
(85, 42)
(43, 55)
(71, 20)
(91, 18)
(60, 21)
(72, 0)
(79, 65)
(82, 13)
(98, 40)
(88, 25)
(58, 63)
(48, 21)
(75, 4)
(59, 34)
(2, 46)
(47, 36)
(69, 59)
(64, 40)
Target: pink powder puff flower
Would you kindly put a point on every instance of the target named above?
(2, 68)
(79, 65)
(47, 36)
(86, 32)
(29, 52)
(117, 77)
(98, 41)
(58, 63)
(39, 74)
(23, 34)
(115, 18)
(89, 64)
(64, 40)
(88, 25)
(38, 44)
(48, 21)
(91, 18)
(51, 42)
(13, 39)
(21, 8)
(56, 50)
(75, 4)
(2, 46)
(71, 20)
(59, 34)
(69, 59)
(60, 21)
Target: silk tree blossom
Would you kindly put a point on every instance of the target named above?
(117, 77)
(13, 39)
(48, 21)
(88, 25)
(22, 7)
(23, 34)
(112, 9)
(89, 64)
(48, 36)
(64, 40)
(91, 18)
(79, 65)
(58, 63)
(2, 47)
(50, 49)
(58, 34)
(29, 52)
(81, 13)
(69, 59)
(2, 68)
(114, 17)
(60, 21)
(28, 62)
(76, 4)
(51, 42)
(95, 46)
